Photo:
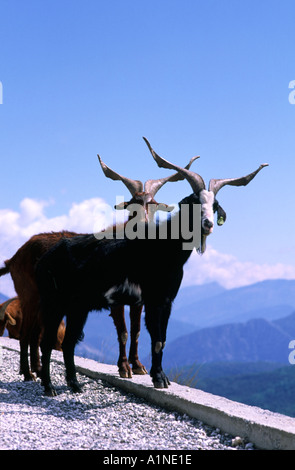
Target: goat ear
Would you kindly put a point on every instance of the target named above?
(221, 215)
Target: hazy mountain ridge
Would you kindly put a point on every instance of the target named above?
(269, 299)
(255, 340)
(3, 298)
(266, 298)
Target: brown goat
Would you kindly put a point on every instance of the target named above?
(11, 318)
(21, 268)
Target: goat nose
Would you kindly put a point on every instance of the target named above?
(208, 224)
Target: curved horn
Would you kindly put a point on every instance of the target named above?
(153, 186)
(195, 180)
(216, 185)
(134, 186)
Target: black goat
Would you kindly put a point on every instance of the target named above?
(143, 201)
(83, 273)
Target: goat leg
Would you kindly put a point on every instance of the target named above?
(49, 390)
(135, 316)
(156, 318)
(117, 314)
(74, 333)
(159, 378)
(50, 326)
(71, 377)
(24, 361)
(34, 351)
(26, 334)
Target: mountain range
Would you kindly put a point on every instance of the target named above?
(203, 308)
(255, 340)
(2, 298)
(211, 305)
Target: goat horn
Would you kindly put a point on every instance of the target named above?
(195, 180)
(153, 186)
(216, 185)
(134, 186)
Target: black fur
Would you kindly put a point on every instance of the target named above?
(75, 275)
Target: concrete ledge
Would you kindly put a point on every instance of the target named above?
(267, 430)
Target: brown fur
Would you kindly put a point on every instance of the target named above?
(13, 319)
(22, 270)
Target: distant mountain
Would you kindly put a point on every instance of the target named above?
(270, 299)
(3, 298)
(192, 294)
(195, 307)
(255, 340)
(100, 337)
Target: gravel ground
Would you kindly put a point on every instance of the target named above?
(101, 417)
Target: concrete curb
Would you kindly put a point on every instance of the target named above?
(265, 429)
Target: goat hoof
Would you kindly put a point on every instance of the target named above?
(124, 374)
(30, 378)
(75, 386)
(161, 384)
(161, 381)
(158, 384)
(124, 369)
(140, 371)
(50, 392)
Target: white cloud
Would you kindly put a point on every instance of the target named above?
(228, 271)
(31, 210)
(17, 227)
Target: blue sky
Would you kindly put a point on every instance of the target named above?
(196, 78)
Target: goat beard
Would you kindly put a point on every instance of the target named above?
(201, 250)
